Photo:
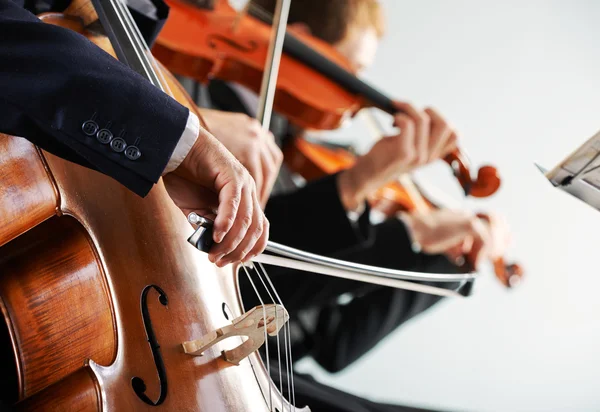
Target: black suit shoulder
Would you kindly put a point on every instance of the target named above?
(54, 80)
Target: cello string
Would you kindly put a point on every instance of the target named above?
(124, 20)
(150, 59)
(293, 395)
(260, 276)
(265, 332)
(289, 345)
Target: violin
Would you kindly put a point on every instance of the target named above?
(316, 87)
(105, 306)
(315, 160)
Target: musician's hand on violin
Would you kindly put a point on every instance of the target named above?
(423, 136)
(254, 147)
(210, 178)
(458, 234)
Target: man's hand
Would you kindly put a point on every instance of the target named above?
(210, 178)
(254, 147)
(424, 136)
(459, 233)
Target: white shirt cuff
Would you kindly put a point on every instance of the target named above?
(187, 140)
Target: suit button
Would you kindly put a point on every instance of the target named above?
(104, 136)
(132, 153)
(118, 145)
(90, 127)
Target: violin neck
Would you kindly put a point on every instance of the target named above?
(204, 4)
(348, 81)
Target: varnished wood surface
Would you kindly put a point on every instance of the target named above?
(78, 392)
(27, 195)
(56, 302)
(143, 242)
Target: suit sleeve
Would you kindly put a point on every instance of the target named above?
(313, 218)
(54, 80)
(344, 333)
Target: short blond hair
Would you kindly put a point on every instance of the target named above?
(332, 20)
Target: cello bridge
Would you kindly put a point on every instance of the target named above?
(252, 324)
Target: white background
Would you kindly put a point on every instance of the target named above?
(520, 80)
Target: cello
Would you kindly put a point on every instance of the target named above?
(99, 291)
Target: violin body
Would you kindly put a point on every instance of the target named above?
(216, 42)
(313, 161)
(99, 288)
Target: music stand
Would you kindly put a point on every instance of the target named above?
(579, 173)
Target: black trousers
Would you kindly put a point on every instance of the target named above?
(322, 398)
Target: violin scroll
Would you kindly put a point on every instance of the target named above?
(509, 274)
(486, 183)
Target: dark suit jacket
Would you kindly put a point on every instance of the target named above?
(312, 218)
(53, 80)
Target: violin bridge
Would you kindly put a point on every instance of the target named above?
(251, 324)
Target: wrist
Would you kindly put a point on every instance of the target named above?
(348, 191)
(411, 228)
(189, 138)
(188, 165)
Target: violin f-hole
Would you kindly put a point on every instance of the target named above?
(215, 38)
(138, 385)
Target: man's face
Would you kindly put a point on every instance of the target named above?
(359, 47)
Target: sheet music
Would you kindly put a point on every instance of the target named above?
(579, 173)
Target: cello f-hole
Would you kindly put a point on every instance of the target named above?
(226, 311)
(138, 385)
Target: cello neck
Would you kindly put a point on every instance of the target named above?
(126, 39)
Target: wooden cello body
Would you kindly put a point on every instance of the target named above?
(99, 288)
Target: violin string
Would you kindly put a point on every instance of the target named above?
(288, 345)
(265, 332)
(261, 278)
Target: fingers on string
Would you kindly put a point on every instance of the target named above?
(251, 231)
(229, 202)
(481, 243)
(405, 147)
(422, 129)
(442, 137)
(240, 223)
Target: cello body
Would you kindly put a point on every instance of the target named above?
(99, 288)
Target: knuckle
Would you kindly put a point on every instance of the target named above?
(246, 221)
(254, 125)
(421, 158)
(229, 220)
(407, 155)
(279, 156)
